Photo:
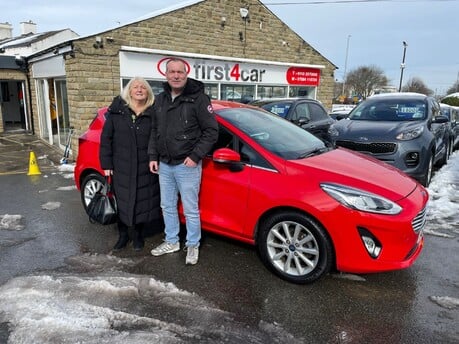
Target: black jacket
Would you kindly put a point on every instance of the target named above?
(184, 127)
(123, 148)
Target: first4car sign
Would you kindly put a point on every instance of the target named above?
(208, 70)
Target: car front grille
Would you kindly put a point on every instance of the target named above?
(372, 147)
(419, 221)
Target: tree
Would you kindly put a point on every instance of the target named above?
(364, 80)
(454, 88)
(454, 101)
(417, 85)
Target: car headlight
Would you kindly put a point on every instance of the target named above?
(361, 200)
(410, 134)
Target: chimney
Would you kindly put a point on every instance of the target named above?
(6, 31)
(28, 27)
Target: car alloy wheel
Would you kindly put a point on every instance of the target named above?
(425, 180)
(295, 247)
(91, 185)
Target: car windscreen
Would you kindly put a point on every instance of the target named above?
(392, 110)
(273, 133)
(280, 108)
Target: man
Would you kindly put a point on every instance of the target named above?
(184, 130)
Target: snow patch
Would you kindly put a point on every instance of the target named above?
(11, 222)
(445, 301)
(51, 205)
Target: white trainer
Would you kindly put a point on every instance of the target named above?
(192, 255)
(164, 248)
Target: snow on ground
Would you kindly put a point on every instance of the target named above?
(97, 303)
(103, 305)
(443, 208)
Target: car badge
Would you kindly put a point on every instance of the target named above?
(363, 138)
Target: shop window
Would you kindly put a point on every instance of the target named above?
(302, 91)
(272, 92)
(241, 94)
(211, 90)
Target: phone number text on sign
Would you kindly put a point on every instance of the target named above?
(303, 76)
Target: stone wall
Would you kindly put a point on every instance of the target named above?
(93, 74)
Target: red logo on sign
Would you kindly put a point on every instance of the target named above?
(161, 65)
(303, 76)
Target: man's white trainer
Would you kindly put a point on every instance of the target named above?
(164, 248)
(192, 255)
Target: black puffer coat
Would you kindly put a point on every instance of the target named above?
(183, 127)
(123, 149)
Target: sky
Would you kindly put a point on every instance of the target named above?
(349, 33)
(94, 303)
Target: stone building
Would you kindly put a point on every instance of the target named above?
(15, 110)
(238, 48)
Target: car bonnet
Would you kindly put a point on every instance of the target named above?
(371, 130)
(356, 170)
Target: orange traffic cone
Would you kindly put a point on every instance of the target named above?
(33, 165)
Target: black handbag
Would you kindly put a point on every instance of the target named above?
(102, 208)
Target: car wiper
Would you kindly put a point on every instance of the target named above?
(314, 152)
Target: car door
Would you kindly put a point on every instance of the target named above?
(320, 120)
(439, 130)
(229, 200)
(224, 193)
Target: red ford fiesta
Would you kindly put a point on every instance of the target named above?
(307, 208)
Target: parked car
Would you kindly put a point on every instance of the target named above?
(338, 115)
(340, 111)
(307, 113)
(452, 112)
(405, 130)
(308, 208)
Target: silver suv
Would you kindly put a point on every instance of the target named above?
(405, 130)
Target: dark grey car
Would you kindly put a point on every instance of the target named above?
(307, 113)
(405, 130)
(452, 112)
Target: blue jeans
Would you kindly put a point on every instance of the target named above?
(186, 181)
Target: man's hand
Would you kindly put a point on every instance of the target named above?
(189, 163)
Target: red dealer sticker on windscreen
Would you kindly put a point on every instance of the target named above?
(303, 76)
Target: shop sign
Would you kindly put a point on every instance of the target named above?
(303, 76)
(207, 70)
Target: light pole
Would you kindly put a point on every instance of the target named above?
(345, 62)
(402, 65)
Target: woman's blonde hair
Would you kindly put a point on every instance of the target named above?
(126, 94)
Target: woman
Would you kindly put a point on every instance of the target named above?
(123, 155)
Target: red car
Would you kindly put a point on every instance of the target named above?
(308, 208)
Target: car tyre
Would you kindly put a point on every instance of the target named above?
(444, 160)
(92, 184)
(295, 247)
(427, 177)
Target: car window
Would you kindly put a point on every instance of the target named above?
(390, 110)
(280, 109)
(249, 156)
(301, 111)
(317, 112)
(273, 133)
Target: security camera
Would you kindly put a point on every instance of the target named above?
(20, 60)
(244, 12)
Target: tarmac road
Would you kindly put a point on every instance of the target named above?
(397, 307)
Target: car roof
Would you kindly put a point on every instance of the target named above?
(396, 95)
(264, 101)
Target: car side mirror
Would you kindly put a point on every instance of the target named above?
(302, 120)
(229, 157)
(440, 119)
